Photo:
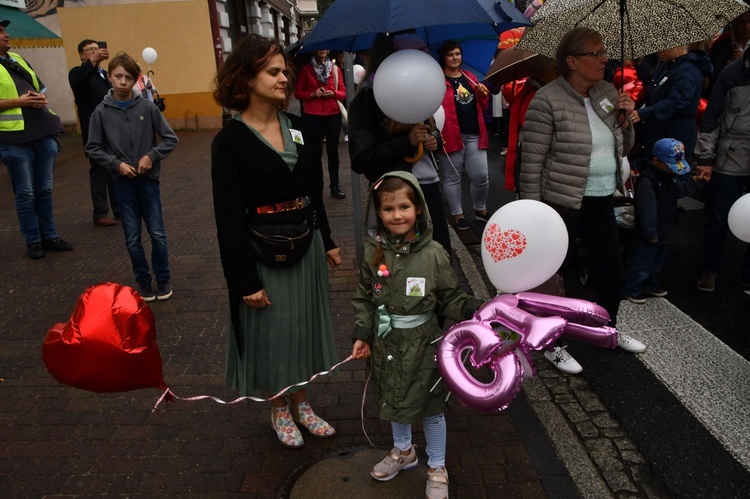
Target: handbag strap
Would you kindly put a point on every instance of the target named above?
(335, 75)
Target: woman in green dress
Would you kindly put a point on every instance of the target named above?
(263, 171)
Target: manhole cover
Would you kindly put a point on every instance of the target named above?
(345, 473)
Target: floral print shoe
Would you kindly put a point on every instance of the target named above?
(311, 422)
(285, 429)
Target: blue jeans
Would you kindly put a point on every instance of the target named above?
(723, 191)
(30, 168)
(140, 199)
(647, 262)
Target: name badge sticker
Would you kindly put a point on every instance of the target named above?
(606, 105)
(297, 136)
(415, 286)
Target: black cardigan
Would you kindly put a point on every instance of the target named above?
(246, 173)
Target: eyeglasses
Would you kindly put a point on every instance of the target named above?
(601, 54)
(90, 49)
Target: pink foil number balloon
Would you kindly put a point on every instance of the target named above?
(538, 320)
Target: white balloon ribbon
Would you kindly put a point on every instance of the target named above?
(169, 395)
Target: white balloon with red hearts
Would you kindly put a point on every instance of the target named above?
(523, 244)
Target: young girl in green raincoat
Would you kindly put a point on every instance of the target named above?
(406, 279)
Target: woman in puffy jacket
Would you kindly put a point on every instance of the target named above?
(576, 132)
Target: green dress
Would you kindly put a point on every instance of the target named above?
(290, 340)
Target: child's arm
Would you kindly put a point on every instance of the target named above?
(364, 310)
(168, 138)
(453, 302)
(685, 185)
(96, 148)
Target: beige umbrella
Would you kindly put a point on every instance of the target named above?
(514, 64)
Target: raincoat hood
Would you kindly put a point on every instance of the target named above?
(700, 59)
(424, 220)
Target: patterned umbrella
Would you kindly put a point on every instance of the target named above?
(633, 27)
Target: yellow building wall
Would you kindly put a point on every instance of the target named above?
(180, 32)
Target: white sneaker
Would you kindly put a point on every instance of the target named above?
(629, 344)
(563, 361)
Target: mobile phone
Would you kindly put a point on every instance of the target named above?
(102, 45)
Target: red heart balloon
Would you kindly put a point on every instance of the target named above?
(108, 344)
(504, 244)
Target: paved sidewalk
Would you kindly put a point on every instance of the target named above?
(57, 440)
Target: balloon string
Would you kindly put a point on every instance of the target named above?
(170, 393)
(449, 160)
(362, 410)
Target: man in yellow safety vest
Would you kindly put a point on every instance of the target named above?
(28, 148)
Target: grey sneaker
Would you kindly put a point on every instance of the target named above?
(393, 463)
(707, 281)
(163, 290)
(146, 291)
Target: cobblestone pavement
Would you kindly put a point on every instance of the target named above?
(556, 440)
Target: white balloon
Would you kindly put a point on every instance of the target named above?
(439, 118)
(739, 218)
(523, 245)
(149, 55)
(409, 86)
(358, 72)
(625, 169)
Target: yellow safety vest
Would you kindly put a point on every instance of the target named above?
(11, 120)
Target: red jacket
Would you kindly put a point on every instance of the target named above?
(451, 132)
(307, 83)
(518, 94)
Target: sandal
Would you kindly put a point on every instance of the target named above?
(285, 429)
(306, 418)
(437, 484)
(393, 463)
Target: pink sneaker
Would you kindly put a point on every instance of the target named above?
(393, 463)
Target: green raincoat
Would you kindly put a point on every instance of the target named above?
(421, 281)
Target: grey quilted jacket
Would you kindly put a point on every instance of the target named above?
(557, 142)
